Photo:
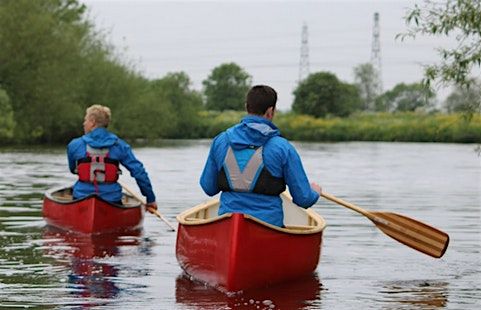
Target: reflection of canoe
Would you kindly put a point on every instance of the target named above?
(63, 244)
(90, 279)
(91, 214)
(236, 252)
(296, 294)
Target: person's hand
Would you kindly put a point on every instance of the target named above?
(151, 207)
(316, 188)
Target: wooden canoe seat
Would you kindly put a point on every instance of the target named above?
(64, 198)
(64, 195)
(192, 219)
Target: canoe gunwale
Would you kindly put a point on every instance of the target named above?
(304, 230)
(50, 194)
(294, 229)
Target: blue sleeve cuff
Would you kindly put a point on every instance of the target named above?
(307, 202)
(151, 198)
(315, 197)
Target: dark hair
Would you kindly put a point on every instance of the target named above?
(260, 98)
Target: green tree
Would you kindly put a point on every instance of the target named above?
(406, 97)
(461, 18)
(322, 94)
(464, 99)
(54, 64)
(367, 81)
(226, 87)
(7, 122)
(175, 90)
(162, 108)
(40, 56)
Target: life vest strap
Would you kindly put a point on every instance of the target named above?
(254, 178)
(97, 167)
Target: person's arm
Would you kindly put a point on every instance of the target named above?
(72, 161)
(137, 171)
(208, 179)
(303, 193)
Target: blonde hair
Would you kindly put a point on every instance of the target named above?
(100, 114)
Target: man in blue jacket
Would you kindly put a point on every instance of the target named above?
(252, 164)
(96, 156)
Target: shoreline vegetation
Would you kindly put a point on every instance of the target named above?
(372, 127)
(387, 127)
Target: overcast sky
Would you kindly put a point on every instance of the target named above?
(263, 37)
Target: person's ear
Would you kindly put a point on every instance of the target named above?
(269, 113)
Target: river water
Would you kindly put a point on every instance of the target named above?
(360, 267)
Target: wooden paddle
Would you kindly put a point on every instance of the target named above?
(157, 213)
(414, 234)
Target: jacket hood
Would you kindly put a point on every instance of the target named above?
(99, 138)
(251, 131)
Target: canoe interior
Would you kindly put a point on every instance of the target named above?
(296, 220)
(64, 196)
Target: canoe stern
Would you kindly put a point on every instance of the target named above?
(90, 214)
(237, 253)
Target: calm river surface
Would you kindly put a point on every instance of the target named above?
(360, 267)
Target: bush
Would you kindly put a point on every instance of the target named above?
(7, 122)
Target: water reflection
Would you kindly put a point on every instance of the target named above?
(416, 294)
(361, 268)
(303, 293)
(90, 275)
(91, 279)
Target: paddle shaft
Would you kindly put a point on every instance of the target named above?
(410, 232)
(160, 216)
(157, 213)
(348, 205)
(375, 219)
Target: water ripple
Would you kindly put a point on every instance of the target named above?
(360, 267)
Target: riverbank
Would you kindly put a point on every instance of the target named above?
(391, 127)
(387, 127)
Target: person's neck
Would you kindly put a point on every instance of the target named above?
(263, 116)
(91, 130)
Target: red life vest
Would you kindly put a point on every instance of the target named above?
(97, 167)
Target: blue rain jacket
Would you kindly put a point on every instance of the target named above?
(280, 158)
(118, 150)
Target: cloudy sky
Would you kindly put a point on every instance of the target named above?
(263, 37)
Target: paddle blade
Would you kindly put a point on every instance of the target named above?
(417, 235)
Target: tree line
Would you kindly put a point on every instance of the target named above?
(54, 64)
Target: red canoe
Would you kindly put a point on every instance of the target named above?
(236, 252)
(91, 214)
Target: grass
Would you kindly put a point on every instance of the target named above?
(406, 127)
